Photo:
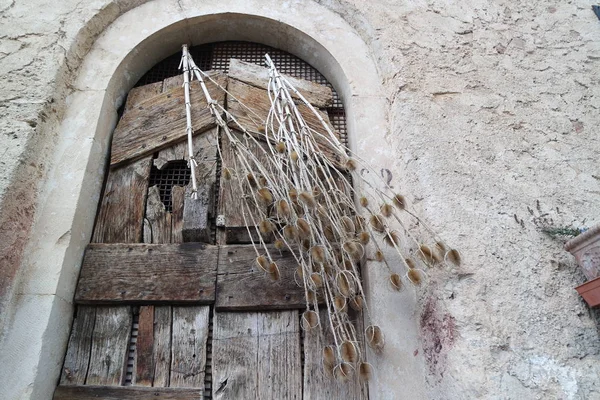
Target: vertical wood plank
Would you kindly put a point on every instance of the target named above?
(144, 352)
(257, 356)
(279, 363)
(162, 346)
(188, 348)
(80, 346)
(316, 384)
(121, 215)
(110, 343)
(177, 200)
(157, 223)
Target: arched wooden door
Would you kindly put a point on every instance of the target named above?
(170, 306)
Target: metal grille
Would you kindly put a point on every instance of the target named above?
(217, 55)
(135, 328)
(172, 174)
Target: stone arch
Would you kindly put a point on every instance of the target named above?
(39, 323)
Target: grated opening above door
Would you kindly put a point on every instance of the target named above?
(216, 56)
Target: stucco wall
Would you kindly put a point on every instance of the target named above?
(492, 116)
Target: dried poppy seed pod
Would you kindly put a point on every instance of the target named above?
(342, 372)
(252, 181)
(386, 210)
(349, 352)
(348, 224)
(364, 201)
(290, 233)
(279, 244)
(329, 356)
(339, 303)
(283, 209)
(415, 276)
(303, 228)
(400, 201)
(307, 199)
(379, 256)
(264, 196)
(396, 281)
(316, 279)
(377, 223)
(280, 147)
(262, 263)
(294, 156)
(453, 256)
(365, 371)
(265, 226)
(274, 271)
(318, 254)
(392, 238)
(364, 238)
(374, 336)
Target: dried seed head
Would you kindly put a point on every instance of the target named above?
(410, 262)
(283, 209)
(345, 283)
(262, 263)
(453, 256)
(379, 256)
(262, 181)
(348, 224)
(227, 174)
(307, 199)
(279, 244)
(375, 338)
(316, 279)
(293, 193)
(354, 249)
(396, 281)
(317, 191)
(377, 223)
(365, 371)
(265, 226)
(364, 201)
(303, 228)
(290, 233)
(310, 319)
(294, 156)
(386, 210)
(264, 196)
(415, 276)
(280, 147)
(318, 254)
(252, 181)
(400, 201)
(357, 302)
(364, 238)
(342, 372)
(300, 272)
(351, 164)
(328, 356)
(274, 271)
(349, 352)
(441, 247)
(311, 297)
(392, 238)
(321, 211)
(306, 244)
(426, 254)
(329, 233)
(339, 303)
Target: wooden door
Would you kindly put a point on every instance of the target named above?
(168, 305)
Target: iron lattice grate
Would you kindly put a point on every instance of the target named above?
(175, 173)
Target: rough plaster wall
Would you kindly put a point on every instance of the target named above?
(493, 108)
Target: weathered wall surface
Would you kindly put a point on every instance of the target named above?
(493, 119)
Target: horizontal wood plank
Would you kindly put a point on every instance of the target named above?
(242, 286)
(148, 273)
(160, 121)
(125, 393)
(318, 95)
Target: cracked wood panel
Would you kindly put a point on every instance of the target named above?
(159, 121)
(79, 348)
(124, 393)
(121, 215)
(188, 346)
(257, 356)
(254, 108)
(317, 384)
(148, 273)
(110, 344)
(158, 221)
(241, 285)
(318, 95)
(141, 93)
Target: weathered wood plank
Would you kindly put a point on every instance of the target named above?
(80, 346)
(162, 345)
(140, 94)
(110, 343)
(160, 121)
(124, 393)
(318, 95)
(317, 385)
(148, 273)
(204, 149)
(157, 223)
(256, 105)
(144, 349)
(188, 349)
(196, 214)
(256, 356)
(231, 205)
(121, 215)
(242, 286)
(177, 201)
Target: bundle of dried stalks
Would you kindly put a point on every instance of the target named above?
(314, 211)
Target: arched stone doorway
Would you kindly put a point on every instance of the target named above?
(135, 41)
